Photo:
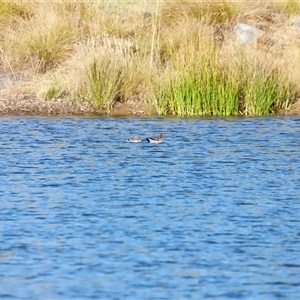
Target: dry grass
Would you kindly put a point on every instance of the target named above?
(102, 53)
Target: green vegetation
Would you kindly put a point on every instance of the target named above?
(179, 56)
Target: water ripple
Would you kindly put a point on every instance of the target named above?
(212, 212)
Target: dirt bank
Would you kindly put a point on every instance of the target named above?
(14, 101)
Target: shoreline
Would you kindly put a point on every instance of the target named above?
(31, 107)
(15, 103)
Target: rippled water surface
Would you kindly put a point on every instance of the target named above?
(212, 212)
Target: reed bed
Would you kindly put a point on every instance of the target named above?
(180, 57)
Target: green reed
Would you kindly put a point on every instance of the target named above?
(263, 88)
(250, 86)
(202, 89)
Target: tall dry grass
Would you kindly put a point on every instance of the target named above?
(181, 57)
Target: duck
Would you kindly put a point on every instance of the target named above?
(157, 140)
(135, 139)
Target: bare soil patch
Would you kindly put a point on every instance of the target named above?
(294, 110)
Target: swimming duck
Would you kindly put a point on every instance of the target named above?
(135, 139)
(157, 140)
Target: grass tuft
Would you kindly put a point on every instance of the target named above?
(40, 43)
(10, 10)
(104, 81)
(211, 12)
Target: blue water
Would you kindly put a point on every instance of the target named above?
(211, 213)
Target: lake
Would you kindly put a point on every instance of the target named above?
(211, 213)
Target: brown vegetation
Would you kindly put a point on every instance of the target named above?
(113, 57)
